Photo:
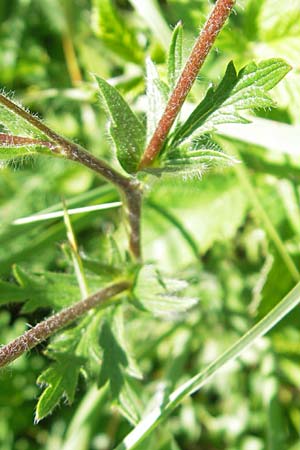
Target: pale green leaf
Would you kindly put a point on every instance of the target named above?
(194, 163)
(156, 98)
(126, 130)
(17, 125)
(114, 31)
(155, 417)
(175, 55)
(10, 153)
(161, 296)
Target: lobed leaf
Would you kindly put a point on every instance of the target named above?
(194, 163)
(114, 361)
(115, 33)
(237, 91)
(161, 296)
(47, 289)
(61, 380)
(126, 130)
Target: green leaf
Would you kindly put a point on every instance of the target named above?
(156, 98)
(210, 212)
(157, 415)
(161, 296)
(245, 90)
(195, 163)
(114, 361)
(11, 293)
(126, 130)
(115, 33)
(18, 146)
(61, 380)
(15, 124)
(49, 289)
(175, 55)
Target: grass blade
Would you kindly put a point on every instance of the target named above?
(159, 414)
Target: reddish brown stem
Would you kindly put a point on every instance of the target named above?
(18, 141)
(48, 327)
(196, 59)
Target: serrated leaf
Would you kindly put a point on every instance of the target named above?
(161, 296)
(126, 130)
(175, 55)
(129, 402)
(195, 163)
(119, 330)
(50, 289)
(115, 33)
(156, 98)
(195, 159)
(61, 380)
(245, 90)
(114, 361)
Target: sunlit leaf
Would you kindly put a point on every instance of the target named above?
(126, 130)
(237, 91)
(175, 55)
(161, 296)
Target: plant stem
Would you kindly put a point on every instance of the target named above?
(67, 148)
(129, 186)
(189, 74)
(48, 327)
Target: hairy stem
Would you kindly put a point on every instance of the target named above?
(129, 186)
(133, 203)
(67, 148)
(189, 74)
(48, 327)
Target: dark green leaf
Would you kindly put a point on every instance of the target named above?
(245, 90)
(114, 361)
(61, 380)
(50, 289)
(126, 130)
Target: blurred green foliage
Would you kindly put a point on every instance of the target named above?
(217, 233)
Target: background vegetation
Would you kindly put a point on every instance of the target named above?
(233, 234)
